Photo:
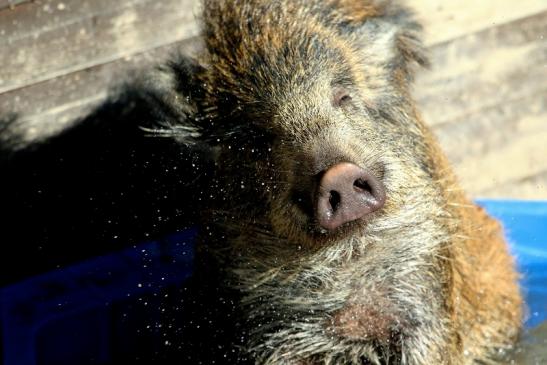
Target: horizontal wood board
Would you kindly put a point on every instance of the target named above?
(485, 95)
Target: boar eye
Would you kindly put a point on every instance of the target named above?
(341, 97)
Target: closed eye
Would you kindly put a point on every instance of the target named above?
(341, 97)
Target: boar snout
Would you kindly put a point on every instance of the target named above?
(347, 192)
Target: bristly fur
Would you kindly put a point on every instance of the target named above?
(417, 278)
(427, 279)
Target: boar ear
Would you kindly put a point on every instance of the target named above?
(386, 34)
(173, 94)
(408, 44)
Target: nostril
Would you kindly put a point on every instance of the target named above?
(346, 192)
(362, 185)
(334, 200)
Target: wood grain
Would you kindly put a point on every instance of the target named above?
(494, 127)
(68, 44)
(12, 3)
(499, 146)
(49, 106)
(485, 96)
(529, 187)
(445, 20)
(50, 38)
(483, 69)
(523, 157)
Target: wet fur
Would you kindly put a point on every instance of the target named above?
(422, 264)
(425, 280)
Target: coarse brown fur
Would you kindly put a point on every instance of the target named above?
(282, 91)
(427, 279)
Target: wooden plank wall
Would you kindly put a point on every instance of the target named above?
(486, 98)
(485, 95)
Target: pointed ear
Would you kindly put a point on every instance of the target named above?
(388, 38)
(408, 40)
(172, 95)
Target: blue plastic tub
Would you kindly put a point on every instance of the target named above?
(525, 224)
(94, 312)
(86, 308)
